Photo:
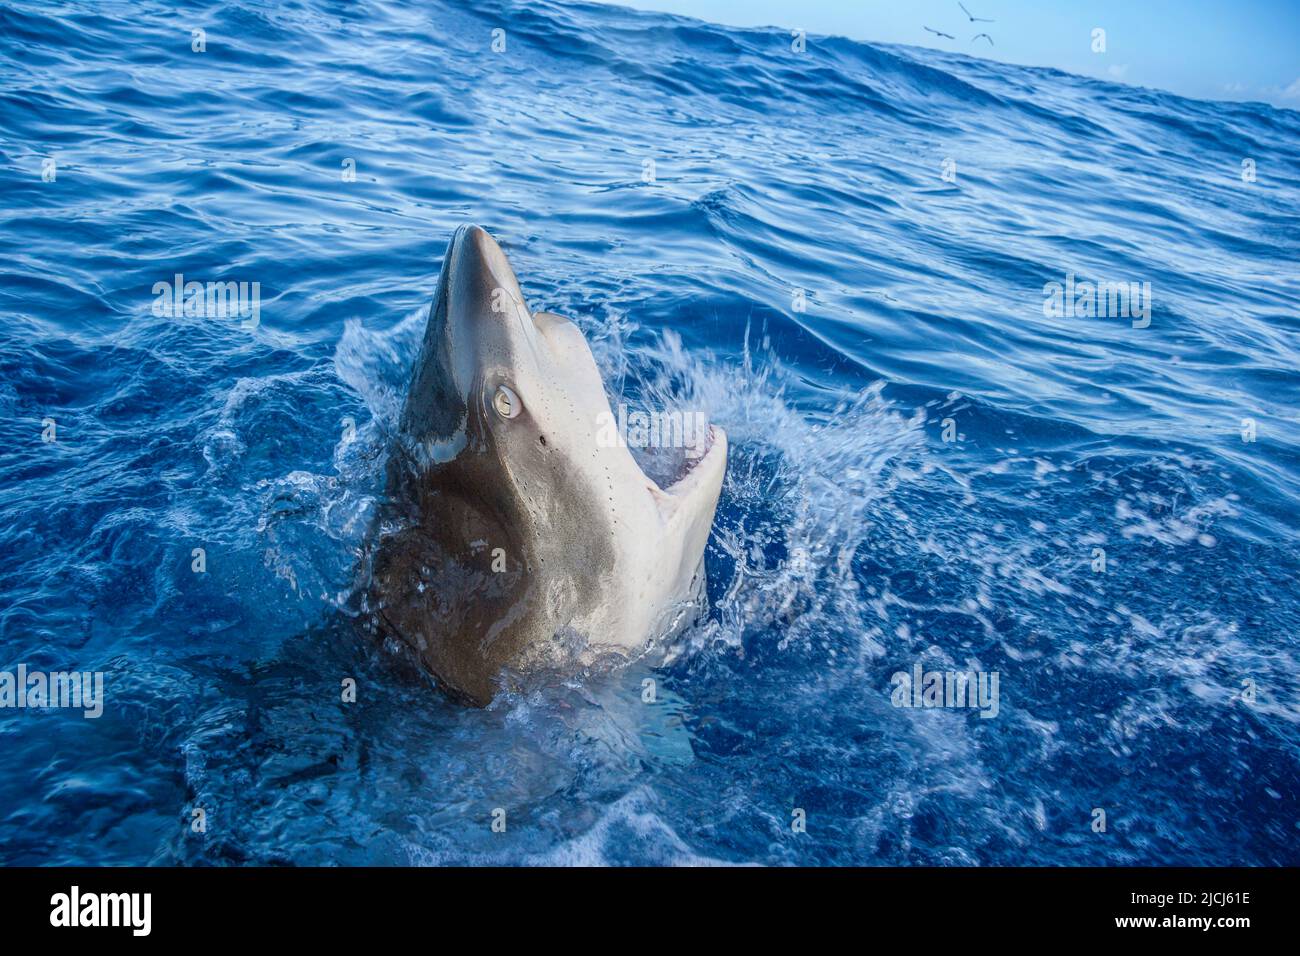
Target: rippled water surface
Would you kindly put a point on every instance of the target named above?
(852, 540)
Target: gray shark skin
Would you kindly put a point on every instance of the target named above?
(513, 538)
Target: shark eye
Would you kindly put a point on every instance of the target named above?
(506, 402)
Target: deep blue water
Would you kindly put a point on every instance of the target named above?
(852, 540)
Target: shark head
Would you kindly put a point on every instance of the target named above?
(531, 535)
(494, 379)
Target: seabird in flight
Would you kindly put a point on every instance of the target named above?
(973, 19)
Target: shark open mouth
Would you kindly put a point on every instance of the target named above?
(672, 465)
(693, 456)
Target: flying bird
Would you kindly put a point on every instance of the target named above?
(985, 36)
(937, 33)
(973, 19)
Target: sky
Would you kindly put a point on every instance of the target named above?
(1209, 49)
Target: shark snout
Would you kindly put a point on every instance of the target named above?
(483, 282)
(478, 252)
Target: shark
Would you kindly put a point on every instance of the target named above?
(514, 536)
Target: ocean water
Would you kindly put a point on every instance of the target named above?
(926, 467)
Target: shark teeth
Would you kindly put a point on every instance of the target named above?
(693, 457)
